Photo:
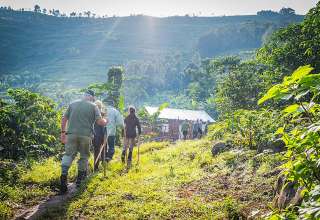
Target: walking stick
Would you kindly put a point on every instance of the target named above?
(102, 149)
(104, 164)
(138, 150)
(124, 144)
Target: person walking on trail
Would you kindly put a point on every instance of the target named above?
(200, 131)
(115, 120)
(131, 124)
(195, 129)
(80, 118)
(99, 138)
(185, 129)
(206, 127)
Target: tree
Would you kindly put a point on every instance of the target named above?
(240, 88)
(267, 13)
(294, 46)
(287, 11)
(301, 134)
(56, 12)
(87, 13)
(115, 79)
(203, 79)
(112, 88)
(73, 14)
(37, 9)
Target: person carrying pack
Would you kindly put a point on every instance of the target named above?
(99, 137)
(80, 118)
(195, 129)
(115, 120)
(185, 129)
(131, 124)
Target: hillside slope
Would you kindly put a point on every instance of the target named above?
(82, 48)
(180, 181)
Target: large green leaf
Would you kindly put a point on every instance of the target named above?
(301, 72)
(295, 108)
(272, 93)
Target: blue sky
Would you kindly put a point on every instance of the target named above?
(165, 7)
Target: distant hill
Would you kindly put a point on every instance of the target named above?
(81, 49)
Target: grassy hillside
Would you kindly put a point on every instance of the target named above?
(81, 49)
(181, 180)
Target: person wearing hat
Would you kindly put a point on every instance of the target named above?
(78, 120)
(115, 120)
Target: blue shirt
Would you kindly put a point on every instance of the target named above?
(115, 120)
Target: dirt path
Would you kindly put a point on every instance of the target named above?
(52, 202)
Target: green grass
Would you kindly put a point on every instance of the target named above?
(31, 185)
(173, 180)
(180, 181)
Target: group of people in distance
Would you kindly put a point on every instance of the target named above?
(88, 121)
(193, 129)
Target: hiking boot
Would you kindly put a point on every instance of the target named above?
(123, 157)
(81, 176)
(63, 184)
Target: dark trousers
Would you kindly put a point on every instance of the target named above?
(110, 151)
(185, 133)
(96, 149)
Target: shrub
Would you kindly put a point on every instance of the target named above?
(29, 125)
(247, 128)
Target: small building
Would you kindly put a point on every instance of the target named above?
(171, 120)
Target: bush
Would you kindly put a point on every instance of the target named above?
(247, 128)
(29, 126)
(232, 209)
(301, 133)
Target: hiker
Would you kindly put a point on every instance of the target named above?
(190, 130)
(206, 127)
(99, 138)
(185, 129)
(131, 124)
(195, 129)
(200, 130)
(80, 117)
(115, 120)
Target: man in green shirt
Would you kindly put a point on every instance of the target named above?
(80, 118)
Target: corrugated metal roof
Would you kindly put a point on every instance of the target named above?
(181, 114)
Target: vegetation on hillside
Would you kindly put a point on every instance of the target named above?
(73, 52)
(269, 100)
